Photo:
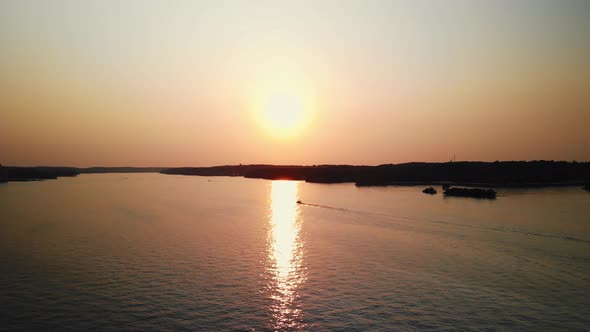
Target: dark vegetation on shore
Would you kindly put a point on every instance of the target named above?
(14, 173)
(476, 174)
(228, 170)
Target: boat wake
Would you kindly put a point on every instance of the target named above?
(487, 228)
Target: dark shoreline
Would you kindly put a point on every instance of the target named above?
(505, 174)
(480, 184)
(40, 173)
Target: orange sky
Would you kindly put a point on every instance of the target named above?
(177, 83)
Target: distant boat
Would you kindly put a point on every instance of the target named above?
(299, 202)
(429, 190)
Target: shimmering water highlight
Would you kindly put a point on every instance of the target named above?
(286, 255)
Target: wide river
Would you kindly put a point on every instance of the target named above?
(143, 252)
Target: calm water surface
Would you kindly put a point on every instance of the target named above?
(146, 252)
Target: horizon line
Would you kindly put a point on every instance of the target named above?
(310, 165)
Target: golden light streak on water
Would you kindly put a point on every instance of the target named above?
(285, 250)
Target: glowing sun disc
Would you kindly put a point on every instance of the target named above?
(283, 114)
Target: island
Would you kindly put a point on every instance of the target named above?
(470, 192)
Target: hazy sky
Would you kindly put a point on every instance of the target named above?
(178, 83)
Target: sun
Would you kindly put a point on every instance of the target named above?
(283, 113)
(282, 102)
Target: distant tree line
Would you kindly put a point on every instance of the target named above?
(499, 173)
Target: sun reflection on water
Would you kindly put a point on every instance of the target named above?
(285, 251)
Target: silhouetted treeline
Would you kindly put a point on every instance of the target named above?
(489, 174)
(507, 173)
(228, 170)
(496, 174)
(322, 173)
(14, 173)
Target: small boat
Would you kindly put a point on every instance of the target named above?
(299, 202)
(429, 190)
